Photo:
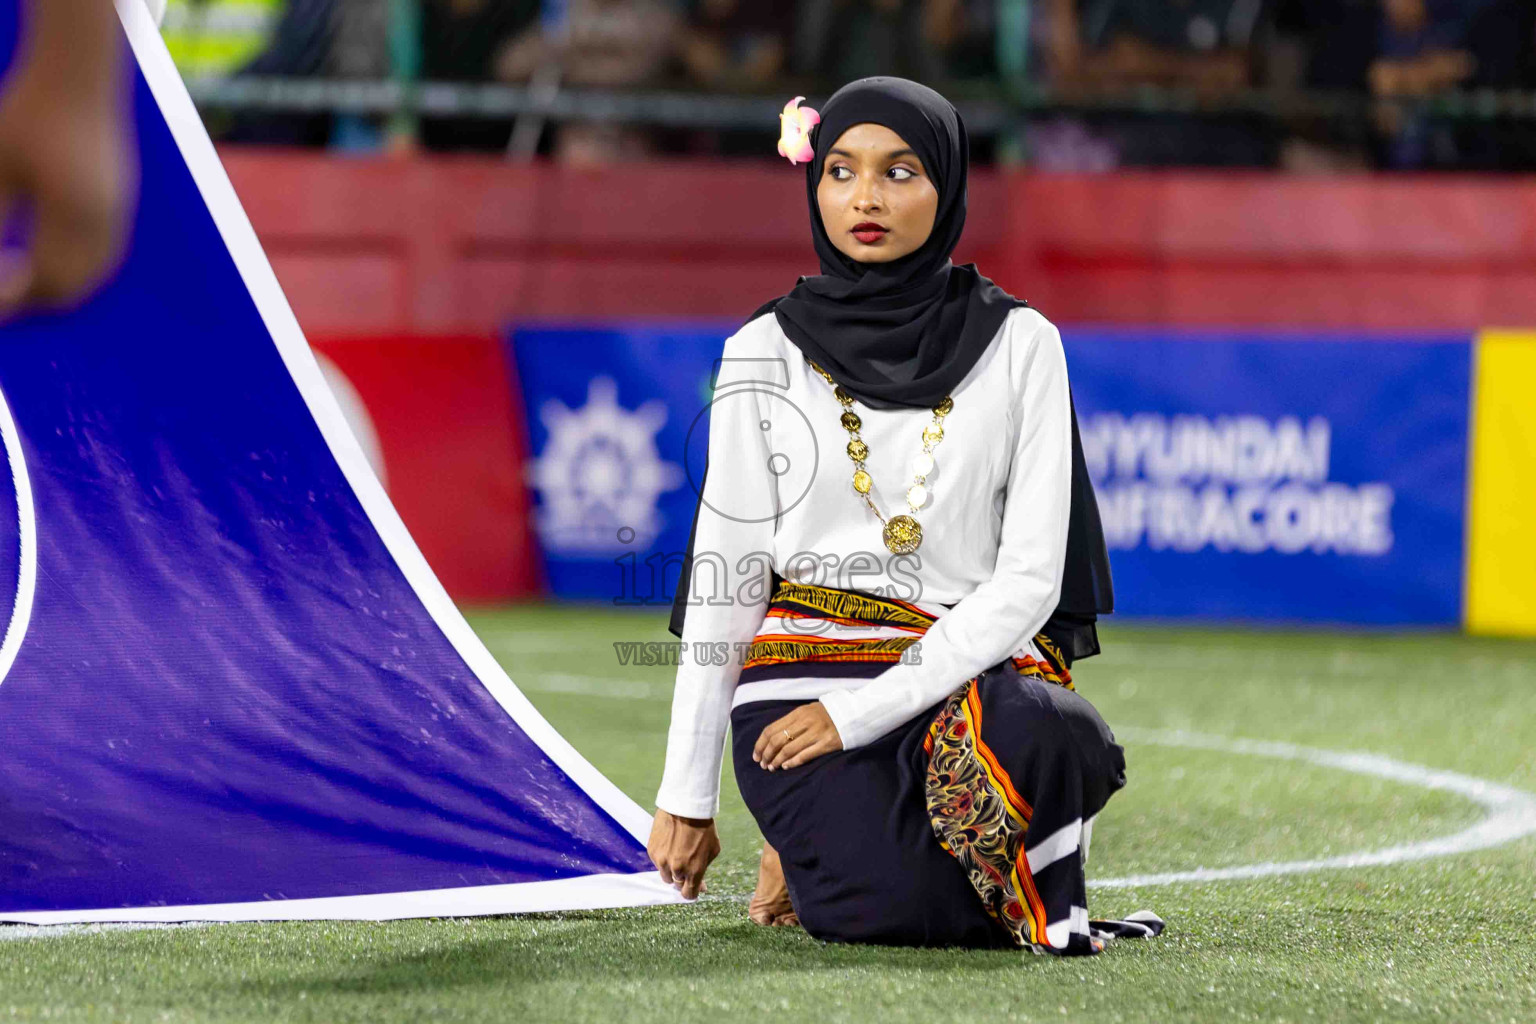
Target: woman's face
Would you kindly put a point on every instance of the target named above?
(876, 199)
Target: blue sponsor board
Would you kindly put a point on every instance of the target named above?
(1278, 476)
(618, 427)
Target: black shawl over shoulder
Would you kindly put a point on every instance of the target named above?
(906, 332)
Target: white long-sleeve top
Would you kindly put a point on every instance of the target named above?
(779, 495)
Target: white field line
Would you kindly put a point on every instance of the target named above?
(1511, 813)
(593, 686)
(534, 646)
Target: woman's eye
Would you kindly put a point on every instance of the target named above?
(901, 173)
(840, 173)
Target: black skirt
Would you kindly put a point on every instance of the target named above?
(963, 827)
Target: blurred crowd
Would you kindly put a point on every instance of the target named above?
(1079, 72)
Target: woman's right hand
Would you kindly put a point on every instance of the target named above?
(682, 850)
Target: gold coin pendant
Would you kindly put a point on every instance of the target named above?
(903, 535)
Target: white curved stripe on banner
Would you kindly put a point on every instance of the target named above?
(1510, 813)
(26, 525)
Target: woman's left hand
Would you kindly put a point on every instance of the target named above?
(803, 735)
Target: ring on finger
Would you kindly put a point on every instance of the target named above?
(786, 734)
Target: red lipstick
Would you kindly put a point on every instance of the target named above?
(869, 232)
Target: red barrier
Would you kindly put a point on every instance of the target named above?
(449, 447)
(1269, 250)
(468, 243)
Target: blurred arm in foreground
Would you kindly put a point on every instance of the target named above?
(64, 153)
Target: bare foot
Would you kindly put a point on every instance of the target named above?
(770, 903)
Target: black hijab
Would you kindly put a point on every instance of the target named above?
(906, 332)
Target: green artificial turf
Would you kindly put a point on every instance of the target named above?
(1452, 939)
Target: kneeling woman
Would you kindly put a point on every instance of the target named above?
(886, 515)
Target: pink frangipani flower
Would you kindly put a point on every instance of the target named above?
(795, 134)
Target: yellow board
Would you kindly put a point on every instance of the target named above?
(1501, 518)
(216, 38)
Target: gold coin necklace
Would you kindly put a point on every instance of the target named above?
(902, 533)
